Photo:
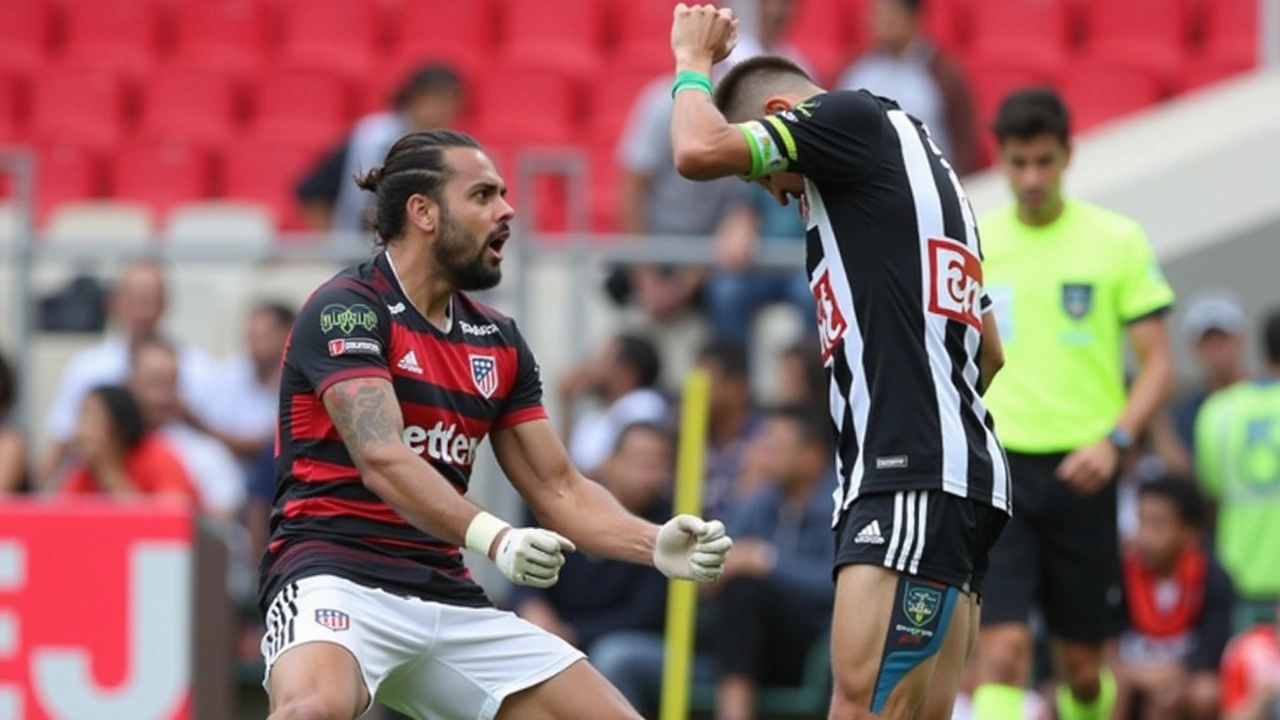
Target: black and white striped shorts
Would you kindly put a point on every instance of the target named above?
(928, 534)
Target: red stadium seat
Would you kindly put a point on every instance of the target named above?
(78, 104)
(118, 35)
(946, 23)
(1147, 34)
(10, 108)
(992, 79)
(340, 36)
(532, 106)
(612, 100)
(1217, 64)
(824, 31)
(641, 31)
(161, 173)
(1096, 92)
(1043, 24)
(1231, 23)
(308, 105)
(196, 103)
(604, 177)
(230, 35)
(265, 170)
(24, 34)
(65, 171)
(564, 35)
(457, 32)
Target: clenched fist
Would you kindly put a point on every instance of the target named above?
(703, 32)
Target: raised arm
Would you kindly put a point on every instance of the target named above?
(704, 145)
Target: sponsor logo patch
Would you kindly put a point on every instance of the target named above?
(346, 318)
(409, 363)
(921, 603)
(354, 346)
(869, 535)
(481, 330)
(956, 288)
(335, 620)
(831, 322)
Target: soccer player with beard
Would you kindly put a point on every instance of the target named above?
(391, 378)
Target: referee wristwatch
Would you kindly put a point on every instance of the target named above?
(1121, 439)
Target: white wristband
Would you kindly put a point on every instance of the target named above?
(482, 530)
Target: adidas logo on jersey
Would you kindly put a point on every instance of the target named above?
(409, 363)
(869, 535)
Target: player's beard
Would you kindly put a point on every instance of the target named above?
(467, 268)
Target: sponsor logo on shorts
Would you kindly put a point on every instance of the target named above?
(335, 620)
(481, 330)
(869, 535)
(346, 318)
(354, 346)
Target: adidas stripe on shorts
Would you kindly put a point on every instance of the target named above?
(424, 659)
(928, 534)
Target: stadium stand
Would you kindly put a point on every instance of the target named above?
(229, 74)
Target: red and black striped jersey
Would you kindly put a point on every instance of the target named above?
(454, 386)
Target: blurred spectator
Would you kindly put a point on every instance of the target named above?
(769, 20)
(595, 597)
(775, 597)
(623, 378)
(1214, 327)
(208, 464)
(118, 457)
(731, 427)
(1237, 454)
(1251, 675)
(430, 98)
(801, 379)
(242, 413)
(137, 307)
(13, 445)
(907, 67)
(737, 289)
(657, 201)
(1180, 602)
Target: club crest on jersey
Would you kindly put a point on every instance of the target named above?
(335, 620)
(484, 371)
(955, 290)
(1077, 299)
(831, 322)
(346, 318)
(921, 604)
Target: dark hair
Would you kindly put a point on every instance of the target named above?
(124, 411)
(911, 5)
(639, 354)
(8, 387)
(1184, 495)
(815, 428)
(1033, 112)
(426, 80)
(415, 165)
(643, 426)
(729, 356)
(745, 84)
(283, 314)
(1271, 337)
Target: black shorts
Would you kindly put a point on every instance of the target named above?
(1060, 550)
(928, 534)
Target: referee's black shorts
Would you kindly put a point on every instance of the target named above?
(1061, 551)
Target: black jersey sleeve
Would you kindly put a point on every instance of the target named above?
(525, 401)
(341, 333)
(833, 137)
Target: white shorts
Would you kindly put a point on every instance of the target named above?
(428, 660)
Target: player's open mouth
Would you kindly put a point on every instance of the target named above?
(495, 245)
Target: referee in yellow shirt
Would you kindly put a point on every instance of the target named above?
(1068, 281)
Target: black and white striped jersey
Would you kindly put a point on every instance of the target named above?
(895, 266)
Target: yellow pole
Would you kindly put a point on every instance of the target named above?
(682, 595)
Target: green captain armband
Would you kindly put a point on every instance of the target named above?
(766, 156)
(687, 79)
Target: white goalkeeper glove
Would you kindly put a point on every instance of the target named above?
(689, 548)
(526, 556)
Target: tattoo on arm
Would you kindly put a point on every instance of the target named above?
(366, 413)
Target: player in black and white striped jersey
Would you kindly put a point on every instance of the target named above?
(895, 265)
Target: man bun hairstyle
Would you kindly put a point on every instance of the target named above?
(415, 165)
(1032, 112)
(745, 87)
